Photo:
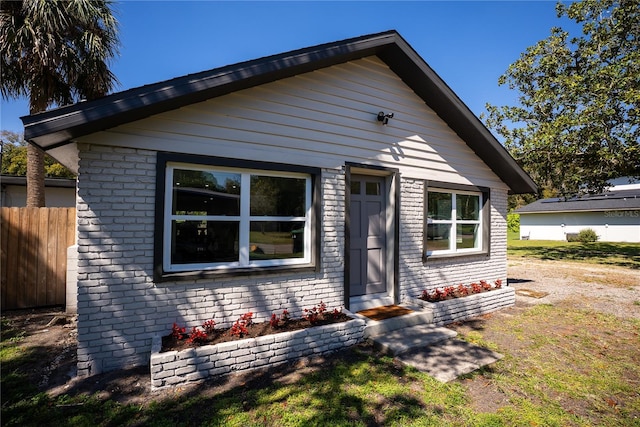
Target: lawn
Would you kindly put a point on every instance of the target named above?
(563, 366)
(603, 253)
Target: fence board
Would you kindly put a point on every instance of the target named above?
(34, 245)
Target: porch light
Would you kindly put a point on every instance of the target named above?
(384, 118)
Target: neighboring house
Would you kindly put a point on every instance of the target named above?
(614, 215)
(59, 192)
(347, 173)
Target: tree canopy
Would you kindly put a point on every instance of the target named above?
(577, 124)
(14, 158)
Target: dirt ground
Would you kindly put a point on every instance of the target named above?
(52, 334)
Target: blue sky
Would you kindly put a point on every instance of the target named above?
(469, 44)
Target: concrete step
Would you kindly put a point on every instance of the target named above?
(420, 316)
(400, 341)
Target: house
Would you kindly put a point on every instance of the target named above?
(59, 192)
(614, 215)
(347, 173)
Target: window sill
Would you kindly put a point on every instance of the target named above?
(183, 276)
(426, 258)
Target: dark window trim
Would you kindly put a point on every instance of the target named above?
(486, 219)
(159, 275)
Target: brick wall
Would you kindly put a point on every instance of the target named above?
(120, 308)
(193, 365)
(415, 275)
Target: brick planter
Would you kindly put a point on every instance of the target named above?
(456, 309)
(199, 363)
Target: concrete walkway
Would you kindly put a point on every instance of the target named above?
(413, 340)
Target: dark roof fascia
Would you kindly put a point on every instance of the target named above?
(57, 127)
(443, 100)
(48, 182)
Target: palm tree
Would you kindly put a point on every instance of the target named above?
(55, 52)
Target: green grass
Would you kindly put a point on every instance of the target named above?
(607, 253)
(583, 373)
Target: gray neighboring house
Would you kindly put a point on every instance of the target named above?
(59, 192)
(347, 173)
(614, 216)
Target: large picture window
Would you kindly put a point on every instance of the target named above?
(220, 218)
(454, 222)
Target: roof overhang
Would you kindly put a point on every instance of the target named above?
(55, 128)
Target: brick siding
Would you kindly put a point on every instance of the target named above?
(120, 308)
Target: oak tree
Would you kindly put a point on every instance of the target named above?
(577, 122)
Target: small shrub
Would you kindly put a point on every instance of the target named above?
(476, 288)
(462, 290)
(316, 313)
(209, 326)
(178, 332)
(513, 222)
(587, 235)
(240, 328)
(498, 284)
(196, 336)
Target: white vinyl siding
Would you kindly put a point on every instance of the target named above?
(321, 119)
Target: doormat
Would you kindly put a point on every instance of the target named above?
(531, 294)
(385, 312)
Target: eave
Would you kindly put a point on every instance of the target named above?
(55, 128)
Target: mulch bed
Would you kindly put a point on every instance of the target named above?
(170, 343)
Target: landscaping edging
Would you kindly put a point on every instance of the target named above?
(199, 363)
(463, 308)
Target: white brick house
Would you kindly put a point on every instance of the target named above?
(276, 183)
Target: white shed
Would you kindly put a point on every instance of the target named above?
(613, 215)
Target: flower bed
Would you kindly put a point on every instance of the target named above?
(460, 307)
(199, 363)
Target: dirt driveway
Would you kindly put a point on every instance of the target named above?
(52, 334)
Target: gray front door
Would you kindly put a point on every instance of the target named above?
(367, 274)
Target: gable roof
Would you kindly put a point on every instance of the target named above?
(608, 201)
(58, 127)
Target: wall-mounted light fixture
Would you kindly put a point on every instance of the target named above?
(384, 118)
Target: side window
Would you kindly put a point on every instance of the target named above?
(454, 222)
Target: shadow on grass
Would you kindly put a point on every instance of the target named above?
(355, 386)
(345, 390)
(620, 255)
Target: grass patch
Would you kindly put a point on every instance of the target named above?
(570, 367)
(607, 253)
(580, 365)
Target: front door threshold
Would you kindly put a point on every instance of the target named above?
(365, 302)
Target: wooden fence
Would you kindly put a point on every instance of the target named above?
(34, 245)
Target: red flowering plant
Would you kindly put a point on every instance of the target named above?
(240, 328)
(462, 290)
(209, 326)
(244, 327)
(178, 332)
(476, 288)
(196, 336)
(275, 320)
(448, 292)
(315, 314)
